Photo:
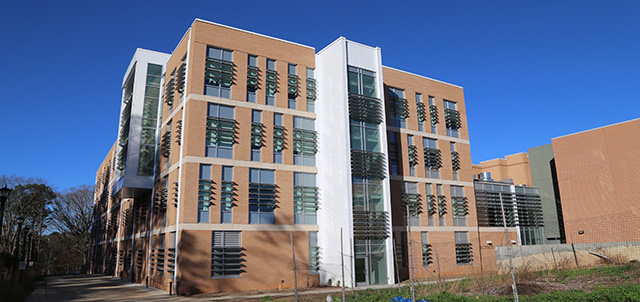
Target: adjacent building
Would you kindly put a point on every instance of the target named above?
(239, 151)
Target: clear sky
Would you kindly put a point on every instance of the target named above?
(531, 70)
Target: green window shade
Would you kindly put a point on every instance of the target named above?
(421, 113)
(204, 194)
(433, 111)
(272, 82)
(305, 200)
(263, 196)
(292, 85)
(218, 72)
(253, 77)
(220, 132)
(413, 201)
(460, 207)
(452, 118)
(169, 88)
(278, 138)
(368, 164)
(442, 205)
(165, 144)
(432, 158)
(363, 108)
(413, 155)
(257, 139)
(399, 107)
(370, 224)
(226, 195)
(161, 200)
(304, 142)
(464, 253)
(311, 89)
(455, 160)
(181, 74)
(431, 205)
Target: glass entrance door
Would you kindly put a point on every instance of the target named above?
(362, 276)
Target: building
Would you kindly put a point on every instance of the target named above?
(239, 147)
(515, 167)
(501, 203)
(586, 184)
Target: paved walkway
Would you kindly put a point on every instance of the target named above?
(95, 288)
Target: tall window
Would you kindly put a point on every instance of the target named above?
(278, 138)
(364, 136)
(262, 196)
(272, 82)
(204, 193)
(433, 114)
(304, 141)
(311, 90)
(218, 75)
(226, 195)
(459, 206)
(411, 203)
(305, 198)
(149, 120)
(452, 117)
(426, 251)
(226, 254)
(256, 134)
(455, 160)
(421, 112)
(432, 208)
(362, 81)
(292, 86)
(220, 131)
(397, 107)
(413, 155)
(252, 78)
(314, 253)
(464, 254)
(367, 194)
(442, 204)
(432, 158)
(393, 152)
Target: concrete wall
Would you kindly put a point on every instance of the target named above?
(542, 164)
(549, 256)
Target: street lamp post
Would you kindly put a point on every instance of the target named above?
(4, 194)
(19, 220)
(24, 243)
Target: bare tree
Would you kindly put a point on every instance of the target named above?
(71, 218)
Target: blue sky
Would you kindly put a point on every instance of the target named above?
(531, 70)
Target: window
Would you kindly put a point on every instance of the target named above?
(305, 198)
(226, 254)
(253, 75)
(432, 158)
(314, 253)
(220, 131)
(304, 141)
(459, 206)
(256, 134)
(204, 193)
(292, 104)
(367, 194)
(421, 113)
(272, 82)
(362, 81)
(278, 138)
(431, 205)
(226, 195)
(427, 259)
(452, 118)
(455, 160)
(171, 255)
(393, 152)
(413, 155)
(364, 136)
(218, 75)
(397, 107)
(262, 196)
(464, 254)
(442, 204)
(149, 120)
(433, 114)
(311, 90)
(411, 202)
